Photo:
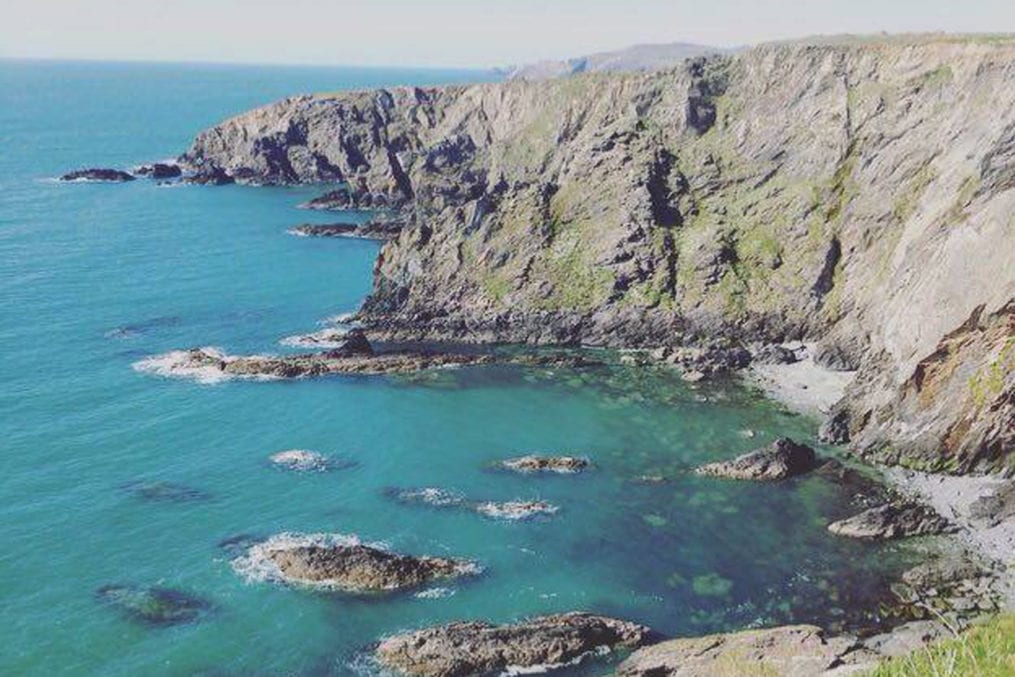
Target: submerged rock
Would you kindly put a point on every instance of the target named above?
(780, 460)
(515, 510)
(237, 544)
(442, 498)
(155, 605)
(791, 651)
(893, 520)
(536, 645)
(336, 562)
(98, 174)
(161, 491)
(432, 496)
(300, 460)
(159, 171)
(558, 464)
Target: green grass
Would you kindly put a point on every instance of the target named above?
(986, 650)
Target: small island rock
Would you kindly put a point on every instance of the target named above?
(98, 174)
(558, 464)
(780, 460)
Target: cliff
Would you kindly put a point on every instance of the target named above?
(859, 194)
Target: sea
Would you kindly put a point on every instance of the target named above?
(128, 500)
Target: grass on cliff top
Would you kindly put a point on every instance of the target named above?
(986, 650)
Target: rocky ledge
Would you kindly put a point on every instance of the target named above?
(791, 651)
(782, 459)
(536, 645)
(98, 174)
(893, 520)
(159, 171)
(555, 464)
(377, 228)
(335, 562)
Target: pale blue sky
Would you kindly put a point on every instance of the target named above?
(447, 32)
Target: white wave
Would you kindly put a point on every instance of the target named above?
(301, 460)
(431, 496)
(515, 510)
(342, 320)
(326, 338)
(541, 668)
(256, 566)
(181, 364)
(298, 233)
(435, 593)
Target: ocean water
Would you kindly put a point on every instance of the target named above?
(95, 277)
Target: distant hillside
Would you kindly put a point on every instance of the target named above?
(632, 59)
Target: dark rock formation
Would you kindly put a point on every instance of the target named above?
(155, 606)
(98, 174)
(159, 171)
(835, 428)
(210, 176)
(775, 354)
(893, 520)
(995, 507)
(780, 460)
(377, 228)
(556, 464)
(477, 648)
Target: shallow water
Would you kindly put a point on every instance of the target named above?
(96, 277)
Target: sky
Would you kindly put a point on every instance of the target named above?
(448, 33)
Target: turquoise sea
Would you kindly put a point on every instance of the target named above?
(96, 277)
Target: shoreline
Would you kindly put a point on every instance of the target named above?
(812, 390)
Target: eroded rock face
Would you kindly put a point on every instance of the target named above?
(556, 464)
(893, 520)
(477, 648)
(788, 651)
(780, 460)
(98, 174)
(343, 563)
(633, 211)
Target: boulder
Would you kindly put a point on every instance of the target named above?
(775, 354)
(343, 563)
(159, 171)
(536, 645)
(780, 460)
(98, 174)
(210, 176)
(788, 651)
(556, 464)
(893, 520)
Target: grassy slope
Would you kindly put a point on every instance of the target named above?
(987, 650)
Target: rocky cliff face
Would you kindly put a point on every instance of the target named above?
(857, 194)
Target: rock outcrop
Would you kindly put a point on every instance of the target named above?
(477, 648)
(788, 651)
(780, 460)
(556, 464)
(854, 193)
(98, 174)
(343, 563)
(893, 520)
(159, 171)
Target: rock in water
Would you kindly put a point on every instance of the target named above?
(893, 520)
(154, 606)
(324, 230)
(300, 460)
(159, 171)
(537, 645)
(431, 496)
(782, 459)
(98, 174)
(210, 176)
(789, 651)
(557, 464)
(335, 562)
(515, 510)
